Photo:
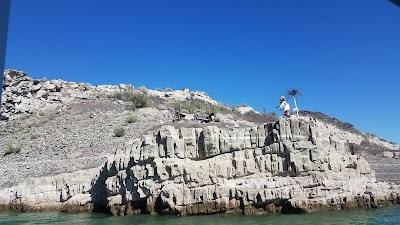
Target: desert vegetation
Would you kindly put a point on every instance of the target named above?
(135, 99)
(119, 131)
(12, 148)
(131, 118)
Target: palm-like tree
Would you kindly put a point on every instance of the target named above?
(294, 93)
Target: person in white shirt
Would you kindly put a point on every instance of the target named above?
(284, 106)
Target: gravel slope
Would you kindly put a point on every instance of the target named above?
(77, 137)
(386, 169)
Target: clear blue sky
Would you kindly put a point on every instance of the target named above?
(344, 55)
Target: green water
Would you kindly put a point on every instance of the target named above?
(387, 215)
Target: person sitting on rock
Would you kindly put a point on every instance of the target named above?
(284, 106)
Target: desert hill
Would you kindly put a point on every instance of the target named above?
(52, 127)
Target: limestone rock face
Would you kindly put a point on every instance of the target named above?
(292, 165)
(65, 192)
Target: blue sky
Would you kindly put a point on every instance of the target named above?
(343, 55)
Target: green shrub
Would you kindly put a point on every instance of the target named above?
(12, 148)
(131, 118)
(119, 131)
(139, 100)
(136, 100)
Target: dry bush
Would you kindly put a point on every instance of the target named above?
(131, 118)
(12, 148)
(119, 131)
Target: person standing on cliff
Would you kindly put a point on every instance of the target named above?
(284, 106)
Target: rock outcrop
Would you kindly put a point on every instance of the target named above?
(23, 95)
(294, 165)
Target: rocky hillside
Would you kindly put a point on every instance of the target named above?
(70, 126)
(76, 140)
(367, 142)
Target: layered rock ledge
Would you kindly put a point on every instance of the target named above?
(294, 165)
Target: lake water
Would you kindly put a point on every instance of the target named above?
(386, 215)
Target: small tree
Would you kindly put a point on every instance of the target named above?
(294, 93)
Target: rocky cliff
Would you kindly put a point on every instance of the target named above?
(71, 161)
(287, 166)
(291, 165)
